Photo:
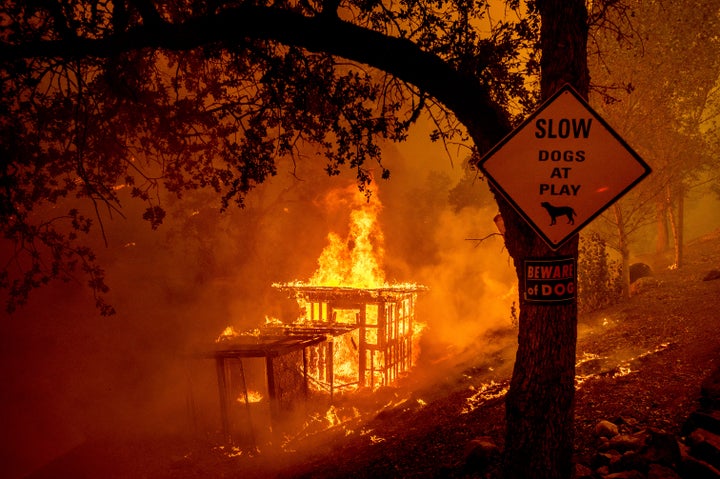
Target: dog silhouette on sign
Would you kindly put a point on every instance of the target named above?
(555, 211)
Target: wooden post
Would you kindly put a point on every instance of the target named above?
(247, 404)
(223, 392)
(330, 366)
(272, 393)
(305, 372)
(362, 347)
(411, 332)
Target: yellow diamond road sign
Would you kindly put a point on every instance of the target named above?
(562, 167)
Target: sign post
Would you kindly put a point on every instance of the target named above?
(562, 167)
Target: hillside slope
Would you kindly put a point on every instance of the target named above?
(641, 364)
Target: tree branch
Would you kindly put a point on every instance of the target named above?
(463, 94)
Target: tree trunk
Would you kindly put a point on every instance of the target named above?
(676, 227)
(539, 404)
(680, 238)
(624, 249)
(681, 230)
(663, 239)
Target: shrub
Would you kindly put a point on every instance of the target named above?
(599, 277)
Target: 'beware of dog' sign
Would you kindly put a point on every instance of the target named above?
(562, 167)
(550, 280)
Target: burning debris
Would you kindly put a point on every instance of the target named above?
(591, 365)
(354, 331)
(371, 334)
(484, 393)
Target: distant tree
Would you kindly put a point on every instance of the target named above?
(470, 190)
(621, 224)
(100, 96)
(599, 277)
(657, 80)
(419, 215)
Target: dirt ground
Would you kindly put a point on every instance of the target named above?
(640, 362)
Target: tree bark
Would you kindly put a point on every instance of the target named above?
(674, 227)
(677, 225)
(663, 239)
(624, 248)
(679, 245)
(539, 405)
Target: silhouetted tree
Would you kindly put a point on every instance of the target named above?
(99, 97)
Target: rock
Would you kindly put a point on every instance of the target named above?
(630, 461)
(662, 448)
(713, 274)
(691, 467)
(705, 446)
(625, 475)
(639, 270)
(697, 469)
(583, 472)
(628, 442)
(480, 453)
(708, 420)
(606, 429)
(658, 471)
(605, 459)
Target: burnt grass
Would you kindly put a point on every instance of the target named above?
(641, 363)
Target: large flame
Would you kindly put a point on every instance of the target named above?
(354, 261)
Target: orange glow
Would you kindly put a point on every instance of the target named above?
(345, 358)
(252, 397)
(372, 338)
(355, 261)
(270, 321)
(332, 417)
(228, 333)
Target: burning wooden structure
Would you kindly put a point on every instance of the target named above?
(348, 339)
(354, 330)
(231, 359)
(375, 351)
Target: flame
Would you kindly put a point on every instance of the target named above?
(271, 321)
(252, 397)
(484, 393)
(332, 417)
(354, 261)
(345, 358)
(622, 371)
(228, 333)
(623, 368)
